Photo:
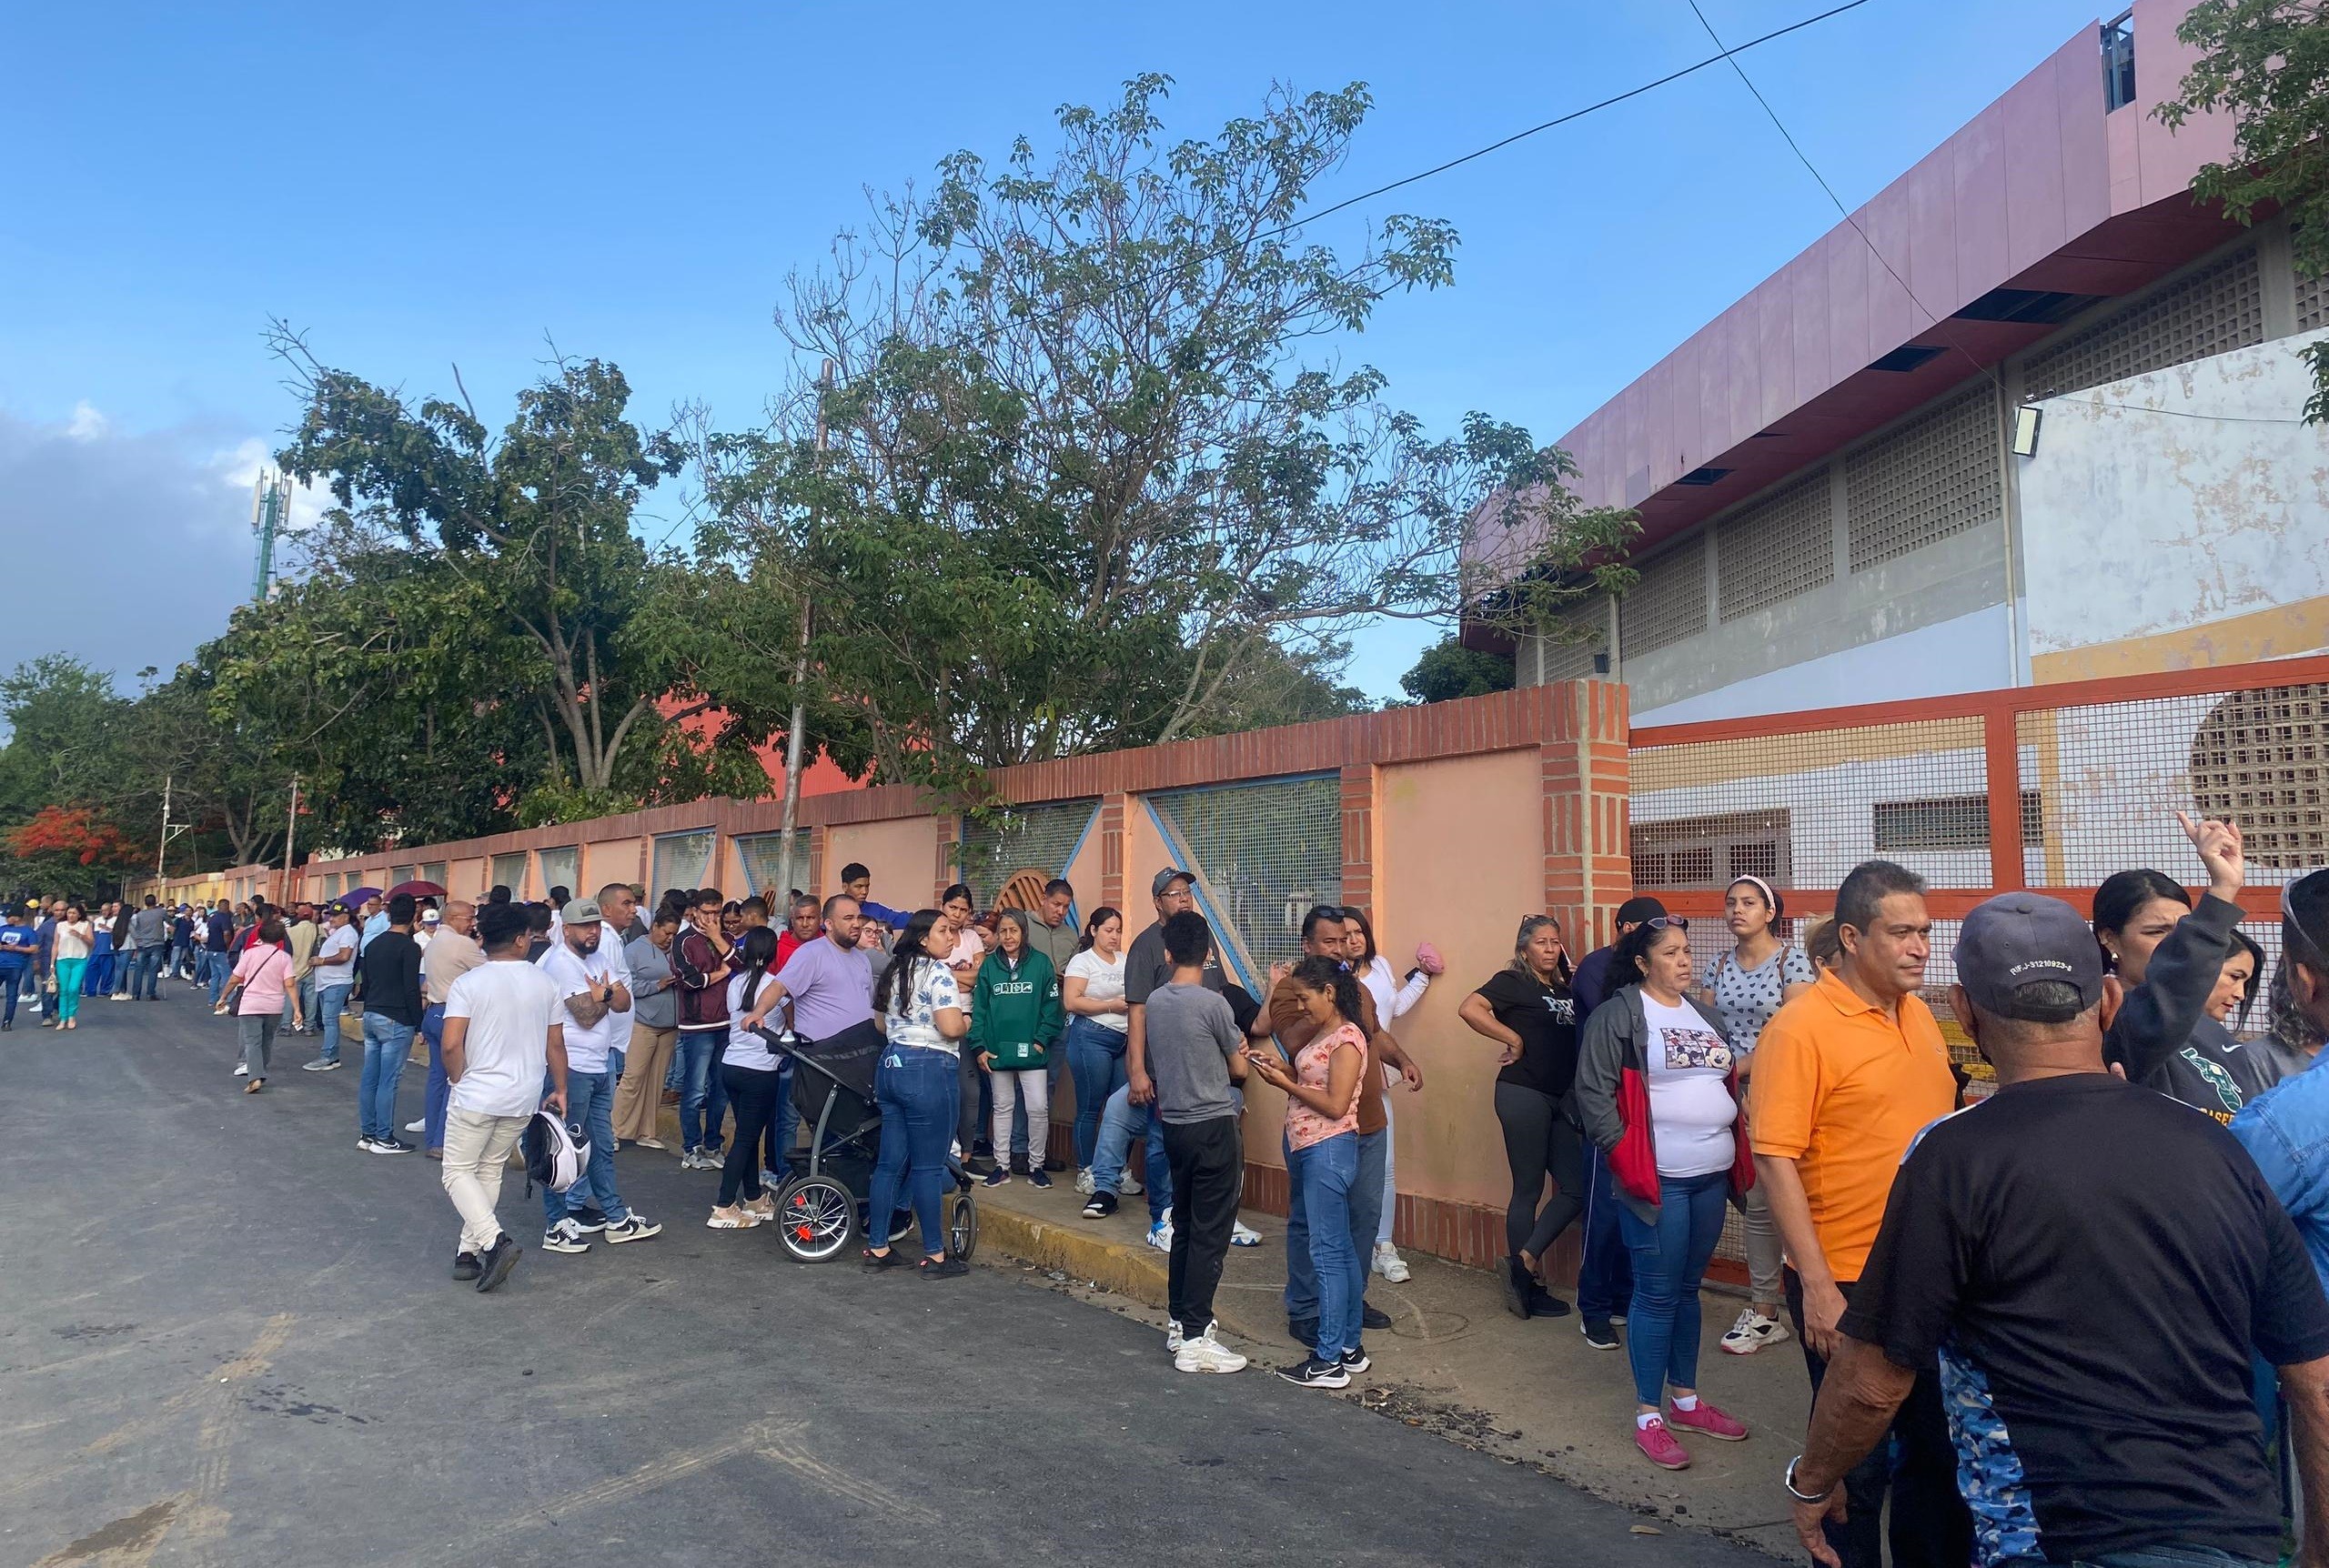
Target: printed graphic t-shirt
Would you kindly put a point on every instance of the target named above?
(1544, 1018)
(1690, 1107)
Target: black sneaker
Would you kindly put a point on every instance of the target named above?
(1598, 1334)
(1517, 1282)
(1371, 1317)
(873, 1262)
(1102, 1204)
(499, 1260)
(1054, 1166)
(1315, 1373)
(466, 1266)
(1036, 1178)
(998, 1177)
(1356, 1361)
(1543, 1303)
(951, 1269)
(390, 1145)
(1303, 1332)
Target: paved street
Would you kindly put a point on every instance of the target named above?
(227, 1338)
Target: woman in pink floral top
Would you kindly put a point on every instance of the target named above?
(1322, 1145)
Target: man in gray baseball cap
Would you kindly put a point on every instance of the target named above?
(2093, 1265)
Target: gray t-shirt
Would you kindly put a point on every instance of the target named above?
(1190, 1036)
(1147, 966)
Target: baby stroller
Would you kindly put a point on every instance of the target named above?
(820, 1212)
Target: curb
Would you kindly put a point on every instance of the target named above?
(1115, 1266)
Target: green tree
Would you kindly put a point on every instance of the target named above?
(530, 530)
(1090, 463)
(2265, 63)
(1450, 669)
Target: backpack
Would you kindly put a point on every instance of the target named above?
(556, 1152)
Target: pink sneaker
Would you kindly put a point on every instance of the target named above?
(1657, 1446)
(1709, 1421)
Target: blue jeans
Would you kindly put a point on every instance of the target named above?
(1670, 1260)
(1096, 1055)
(222, 969)
(703, 1099)
(330, 1002)
(10, 979)
(440, 1088)
(1605, 1276)
(1120, 1123)
(918, 1090)
(303, 992)
(1365, 1205)
(590, 1102)
(146, 973)
(386, 1044)
(1329, 1179)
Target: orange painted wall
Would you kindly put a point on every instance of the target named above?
(901, 853)
(1458, 863)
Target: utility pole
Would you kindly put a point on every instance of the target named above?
(270, 509)
(169, 830)
(290, 834)
(793, 747)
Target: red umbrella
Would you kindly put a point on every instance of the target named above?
(418, 889)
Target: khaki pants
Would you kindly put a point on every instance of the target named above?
(477, 1150)
(640, 1099)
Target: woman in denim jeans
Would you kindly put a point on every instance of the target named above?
(1321, 1090)
(919, 1010)
(1091, 989)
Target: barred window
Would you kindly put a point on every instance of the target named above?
(1952, 823)
(1263, 853)
(1711, 851)
(996, 850)
(1935, 476)
(2312, 302)
(1668, 604)
(2214, 310)
(1777, 548)
(2261, 759)
(684, 860)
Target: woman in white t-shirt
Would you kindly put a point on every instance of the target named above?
(919, 1010)
(1656, 1090)
(1745, 986)
(75, 937)
(1092, 992)
(749, 1073)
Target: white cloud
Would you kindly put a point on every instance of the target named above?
(87, 424)
(239, 467)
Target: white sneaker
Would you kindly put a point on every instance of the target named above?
(242, 1070)
(1160, 1235)
(1389, 1264)
(1173, 1339)
(418, 1124)
(1241, 1234)
(1128, 1185)
(1206, 1354)
(1086, 1184)
(1752, 1331)
(564, 1237)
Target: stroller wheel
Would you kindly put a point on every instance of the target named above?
(816, 1219)
(962, 1226)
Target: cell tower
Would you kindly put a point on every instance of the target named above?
(270, 511)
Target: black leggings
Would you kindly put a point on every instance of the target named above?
(751, 1094)
(1538, 1142)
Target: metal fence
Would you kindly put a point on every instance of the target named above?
(1263, 853)
(1019, 845)
(2048, 788)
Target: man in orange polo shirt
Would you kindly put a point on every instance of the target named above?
(1846, 1075)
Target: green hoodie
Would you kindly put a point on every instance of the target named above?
(1015, 1013)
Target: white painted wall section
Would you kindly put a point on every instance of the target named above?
(1970, 653)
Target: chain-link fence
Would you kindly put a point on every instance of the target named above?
(1262, 854)
(1030, 843)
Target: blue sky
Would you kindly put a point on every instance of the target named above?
(420, 186)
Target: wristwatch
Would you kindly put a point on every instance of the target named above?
(1787, 1480)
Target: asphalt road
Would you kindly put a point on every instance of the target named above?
(228, 1338)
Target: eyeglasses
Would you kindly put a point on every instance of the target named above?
(1667, 923)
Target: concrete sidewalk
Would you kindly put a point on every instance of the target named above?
(1457, 1362)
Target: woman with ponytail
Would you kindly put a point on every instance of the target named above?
(918, 1007)
(751, 1072)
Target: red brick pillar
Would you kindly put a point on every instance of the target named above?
(950, 833)
(1112, 849)
(1359, 836)
(1588, 870)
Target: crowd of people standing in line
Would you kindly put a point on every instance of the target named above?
(1950, 1263)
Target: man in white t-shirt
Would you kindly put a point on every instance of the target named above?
(503, 1034)
(332, 967)
(595, 984)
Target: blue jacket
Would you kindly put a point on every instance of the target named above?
(2287, 1132)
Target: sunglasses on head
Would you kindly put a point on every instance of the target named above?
(1667, 923)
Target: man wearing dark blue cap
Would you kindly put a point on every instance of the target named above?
(2093, 1266)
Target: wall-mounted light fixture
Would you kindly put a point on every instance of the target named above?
(2025, 431)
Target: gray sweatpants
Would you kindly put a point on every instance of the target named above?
(258, 1040)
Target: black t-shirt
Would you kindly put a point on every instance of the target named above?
(392, 978)
(1148, 966)
(2091, 1263)
(1544, 1018)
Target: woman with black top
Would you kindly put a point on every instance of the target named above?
(1526, 1008)
(748, 1070)
(2168, 957)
